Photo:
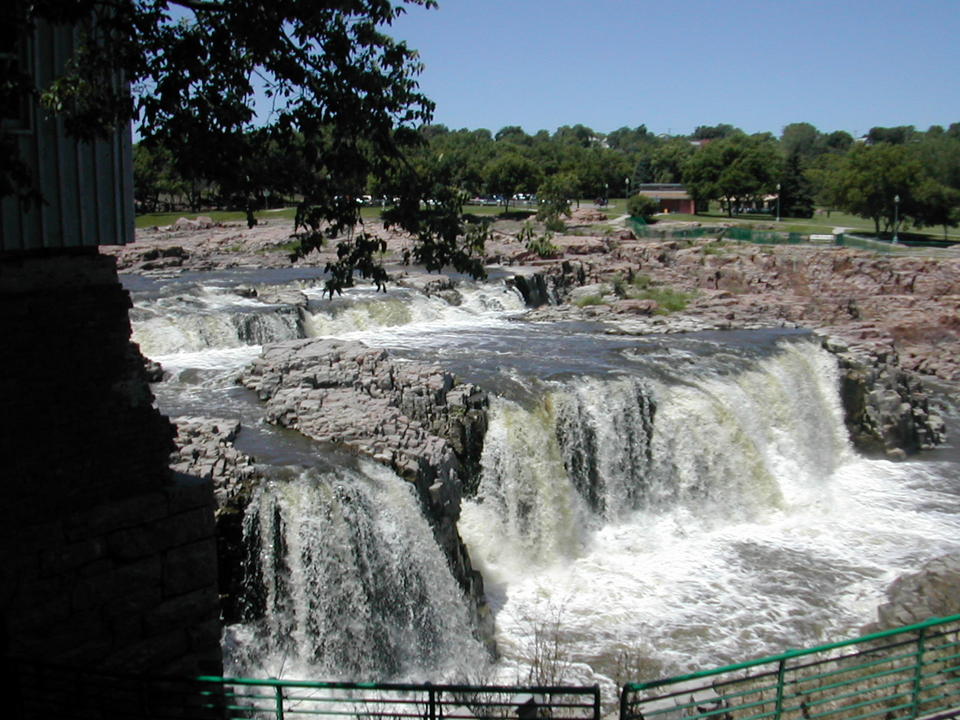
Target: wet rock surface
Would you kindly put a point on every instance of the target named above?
(415, 418)
(928, 593)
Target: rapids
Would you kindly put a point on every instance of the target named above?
(658, 504)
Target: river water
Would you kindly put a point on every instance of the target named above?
(648, 506)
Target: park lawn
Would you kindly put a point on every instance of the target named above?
(231, 216)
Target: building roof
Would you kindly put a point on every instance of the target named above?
(664, 191)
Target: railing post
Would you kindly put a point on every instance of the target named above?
(918, 673)
(596, 702)
(279, 695)
(431, 702)
(781, 668)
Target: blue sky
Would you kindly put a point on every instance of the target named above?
(672, 65)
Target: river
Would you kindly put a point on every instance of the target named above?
(647, 506)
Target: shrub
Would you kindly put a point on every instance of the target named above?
(642, 207)
(588, 300)
(539, 244)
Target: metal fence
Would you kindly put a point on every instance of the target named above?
(245, 698)
(903, 674)
(48, 692)
(906, 673)
(761, 237)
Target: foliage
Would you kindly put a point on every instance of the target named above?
(509, 174)
(539, 244)
(872, 177)
(643, 207)
(640, 287)
(717, 132)
(799, 139)
(588, 300)
(737, 169)
(554, 195)
(796, 190)
(345, 107)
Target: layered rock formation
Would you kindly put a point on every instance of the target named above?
(415, 418)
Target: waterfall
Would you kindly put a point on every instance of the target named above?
(669, 502)
(596, 449)
(639, 500)
(345, 580)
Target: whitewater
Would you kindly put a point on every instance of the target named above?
(659, 504)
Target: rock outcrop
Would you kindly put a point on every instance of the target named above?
(417, 419)
(931, 592)
(886, 408)
(205, 449)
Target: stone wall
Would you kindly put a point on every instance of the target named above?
(107, 559)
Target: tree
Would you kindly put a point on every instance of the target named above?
(838, 141)
(512, 133)
(801, 139)
(869, 179)
(899, 135)
(666, 166)
(716, 132)
(796, 191)
(154, 176)
(344, 94)
(509, 174)
(936, 204)
(735, 170)
(554, 195)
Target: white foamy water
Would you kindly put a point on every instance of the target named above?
(346, 581)
(749, 528)
(669, 507)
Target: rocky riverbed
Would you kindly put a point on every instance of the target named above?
(890, 319)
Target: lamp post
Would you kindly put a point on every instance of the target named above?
(896, 217)
(626, 184)
(778, 202)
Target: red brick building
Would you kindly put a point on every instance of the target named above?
(673, 197)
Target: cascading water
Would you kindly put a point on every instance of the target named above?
(690, 515)
(664, 504)
(345, 581)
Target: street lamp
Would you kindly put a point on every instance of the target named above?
(896, 216)
(778, 202)
(626, 184)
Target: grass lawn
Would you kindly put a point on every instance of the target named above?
(225, 216)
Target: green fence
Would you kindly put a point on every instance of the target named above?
(903, 674)
(46, 692)
(907, 673)
(280, 699)
(761, 237)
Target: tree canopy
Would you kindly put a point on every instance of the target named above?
(344, 101)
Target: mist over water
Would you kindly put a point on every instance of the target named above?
(675, 502)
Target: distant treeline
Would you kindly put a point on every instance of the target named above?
(895, 173)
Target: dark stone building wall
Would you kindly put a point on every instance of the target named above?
(107, 559)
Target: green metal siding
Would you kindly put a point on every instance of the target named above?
(87, 186)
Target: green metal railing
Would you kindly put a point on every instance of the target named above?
(910, 672)
(46, 692)
(903, 674)
(282, 699)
